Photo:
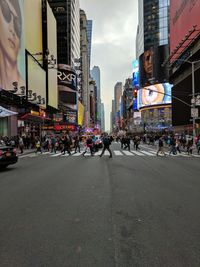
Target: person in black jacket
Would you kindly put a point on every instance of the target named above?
(106, 145)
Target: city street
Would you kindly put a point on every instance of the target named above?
(134, 210)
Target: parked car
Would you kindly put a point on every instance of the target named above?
(8, 156)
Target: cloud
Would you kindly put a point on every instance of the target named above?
(113, 43)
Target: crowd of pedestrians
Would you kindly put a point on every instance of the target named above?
(71, 143)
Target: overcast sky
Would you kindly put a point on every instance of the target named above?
(113, 43)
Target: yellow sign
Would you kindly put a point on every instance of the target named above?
(80, 114)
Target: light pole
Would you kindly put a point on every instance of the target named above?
(193, 104)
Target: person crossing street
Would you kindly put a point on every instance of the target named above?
(106, 145)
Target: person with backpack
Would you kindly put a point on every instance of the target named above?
(106, 145)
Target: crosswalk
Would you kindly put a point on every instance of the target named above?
(116, 153)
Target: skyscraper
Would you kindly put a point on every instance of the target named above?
(117, 97)
(95, 74)
(68, 30)
(85, 70)
(89, 34)
(102, 118)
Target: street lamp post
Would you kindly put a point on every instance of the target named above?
(193, 104)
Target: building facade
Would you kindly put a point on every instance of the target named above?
(184, 66)
(95, 74)
(67, 13)
(89, 34)
(117, 97)
(102, 117)
(152, 44)
(85, 70)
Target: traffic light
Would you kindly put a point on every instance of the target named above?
(135, 93)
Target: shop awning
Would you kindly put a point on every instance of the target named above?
(6, 112)
(34, 118)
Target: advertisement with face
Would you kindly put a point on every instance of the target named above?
(156, 94)
(183, 15)
(150, 66)
(12, 48)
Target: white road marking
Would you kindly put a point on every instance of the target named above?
(56, 155)
(137, 153)
(118, 153)
(127, 153)
(147, 153)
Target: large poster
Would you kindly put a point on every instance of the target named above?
(150, 66)
(12, 48)
(156, 94)
(52, 68)
(36, 83)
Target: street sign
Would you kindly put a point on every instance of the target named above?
(197, 102)
(194, 112)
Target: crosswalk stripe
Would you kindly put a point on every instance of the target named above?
(76, 154)
(127, 153)
(45, 153)
(118, 153)
(56, 155)
(32, 155)
(196, 156)
(147, 153)
(137, 153)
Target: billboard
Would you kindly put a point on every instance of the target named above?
(150, 66)
(12, 46)
(156, 94)
(36, 82)
(67, 86)
(183, 16)
(33, 27)
(52, 47)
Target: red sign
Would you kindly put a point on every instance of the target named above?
(184, 14)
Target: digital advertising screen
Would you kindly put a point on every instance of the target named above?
(36, 81)
(52, 46)
(183, 16)
(150, 66)
(70, 117)
(33, 26)
(67, 76)
(67, 87)
(156, 94)
(12, 45)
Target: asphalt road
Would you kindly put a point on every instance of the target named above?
(100, 212)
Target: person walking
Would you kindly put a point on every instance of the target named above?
(21, 145)
(77, 144)
(89, 145)
(160, 147)
(106, 146)
(127, 143)
(38, 147)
